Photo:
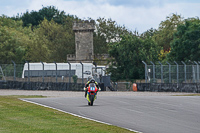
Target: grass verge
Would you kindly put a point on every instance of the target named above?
(189, 95)
(17, 116)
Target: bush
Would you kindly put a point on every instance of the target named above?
(75, 78)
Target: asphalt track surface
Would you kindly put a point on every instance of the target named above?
(147, 114)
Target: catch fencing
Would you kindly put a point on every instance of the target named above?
(171, 77)
(16, 72)
(172, 72)
(47, 77)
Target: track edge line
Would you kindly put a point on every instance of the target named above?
(75, 114)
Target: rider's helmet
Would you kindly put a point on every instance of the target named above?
(92, 80)
(89, 78)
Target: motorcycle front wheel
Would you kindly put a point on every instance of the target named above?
(92, 100)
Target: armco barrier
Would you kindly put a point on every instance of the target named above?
(167, 87)
(61, 86)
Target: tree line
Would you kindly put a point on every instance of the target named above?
(47, 35)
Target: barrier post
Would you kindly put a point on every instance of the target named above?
(169, 72)
(56, 71)
(42, 71)
(82, 71)
(14, 70)
(185, 73)
(197, 71)
(145, 71)
(69, 73)
(176, 71)
(28, 75)
(161, 71)
(153, 71)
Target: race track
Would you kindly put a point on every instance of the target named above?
(147, 114)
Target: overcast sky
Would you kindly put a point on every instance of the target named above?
(139, 15)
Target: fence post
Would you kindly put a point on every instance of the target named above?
(82, 71)
(56, 71)
(198, 68)
(14, 70)
(69, 73)
(2, 73)
(42, 71)
(28, 71)
(185, 71)
(169, 72)
(176, 71)
(153, 71)
(145, 71)
(161, 71)
(197, 71)
(193, 72)
(28, 75)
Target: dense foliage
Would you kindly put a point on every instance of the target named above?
(186, 43)
(13, 40)
(129, 54)
(35, 17)
(47, 35)
(166, 30)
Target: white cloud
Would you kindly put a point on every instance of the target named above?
(133, 17)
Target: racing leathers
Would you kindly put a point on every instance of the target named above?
(87, 84)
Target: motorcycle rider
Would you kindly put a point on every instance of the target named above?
(87, 84)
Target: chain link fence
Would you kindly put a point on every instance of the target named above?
(171, 77)
(47, 76)
(172, 73)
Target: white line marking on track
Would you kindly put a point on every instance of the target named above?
(75, 114)
(132, 110)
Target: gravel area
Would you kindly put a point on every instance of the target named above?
(5, 92)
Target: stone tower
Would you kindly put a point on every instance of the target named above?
(84, 40)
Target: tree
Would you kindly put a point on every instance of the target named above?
(186, 43)
(13, 40)
(38, 49)
(100, 44)
(110, 30)
(166, 30)
(128, 55)
(107, 32)
(52, 42)
(34, 18)
(149, 33)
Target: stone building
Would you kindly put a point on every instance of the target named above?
(83, 41)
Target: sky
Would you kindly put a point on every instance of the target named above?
(139, 15)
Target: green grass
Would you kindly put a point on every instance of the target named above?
(17, 116)
(189, 95)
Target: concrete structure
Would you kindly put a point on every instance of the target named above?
(83, 41)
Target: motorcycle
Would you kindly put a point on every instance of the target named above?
(91, 93)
